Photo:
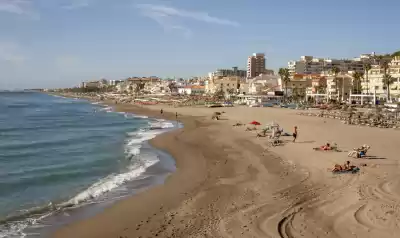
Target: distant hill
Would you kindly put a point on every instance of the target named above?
(397, 53)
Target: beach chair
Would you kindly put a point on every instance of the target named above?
(359, 152)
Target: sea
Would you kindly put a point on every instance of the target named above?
(65, 159)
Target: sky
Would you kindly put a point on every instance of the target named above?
(59, 43)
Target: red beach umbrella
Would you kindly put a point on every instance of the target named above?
(256, 123)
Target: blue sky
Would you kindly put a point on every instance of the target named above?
(58, 43)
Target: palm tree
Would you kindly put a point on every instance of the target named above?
(367, 68)
(387, 79)
(285, 77)
(335, 71)
(357, 82)
(321, 89)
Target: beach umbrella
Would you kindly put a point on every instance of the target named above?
(256, 123)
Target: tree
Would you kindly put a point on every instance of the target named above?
(321, 89)
(230, 91)
(139, 86)
(397, 53)
(219, 94)
(367, 68)
(335, 71)
(172, 87)
(387, 79)
(285, 77)
(357, 82)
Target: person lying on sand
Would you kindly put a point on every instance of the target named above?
(250, 129)
(238, 124)
(327, 146)
(346, 167)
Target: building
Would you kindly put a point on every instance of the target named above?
(312, 65)
(198, 90)
(115, 82)
(298, 84)
(375, 80)
(255, 65)
(91, 84)
(318, 85)
(338, 88)
(229, 72)
(192, 90)
(263, 84)
(228, 85)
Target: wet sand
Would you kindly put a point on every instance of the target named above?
(229, 183)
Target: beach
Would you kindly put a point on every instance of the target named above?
(230, 183)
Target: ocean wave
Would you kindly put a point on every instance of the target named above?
(139, 162)
(106, 109)
(111, 182)
(161, 124)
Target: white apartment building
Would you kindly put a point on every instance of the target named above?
(375, 80)
(311, 65)
(339, 89)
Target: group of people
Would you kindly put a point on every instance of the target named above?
(344, 168)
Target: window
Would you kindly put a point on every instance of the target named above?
(376, 87)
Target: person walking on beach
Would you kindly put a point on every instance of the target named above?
(161, 111)
(295, 134)
(176, 115)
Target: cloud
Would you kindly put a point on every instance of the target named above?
(20, 7)
(167, 17)
(11, 52)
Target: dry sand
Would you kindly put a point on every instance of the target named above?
(229, 183)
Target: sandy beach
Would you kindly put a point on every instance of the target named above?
(230, 183)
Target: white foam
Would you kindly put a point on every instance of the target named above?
(106, 109)
(140, 116)
(112, 181)
(161, 124)
(13, 230)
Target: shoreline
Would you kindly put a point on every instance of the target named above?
(193, 199)
(229, 183)
(154, 175)
(159, 143)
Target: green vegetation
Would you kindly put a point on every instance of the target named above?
(285, 77)
(397, 53)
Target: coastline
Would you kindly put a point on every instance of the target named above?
(229, 183)
(120, 214)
